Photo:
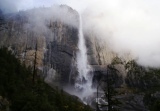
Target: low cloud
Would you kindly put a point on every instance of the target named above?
(127, 26)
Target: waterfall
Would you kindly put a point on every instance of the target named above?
(82, 61)
(84, 78)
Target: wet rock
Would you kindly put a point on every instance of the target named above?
(131, 102)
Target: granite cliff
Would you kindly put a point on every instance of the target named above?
(47, 38)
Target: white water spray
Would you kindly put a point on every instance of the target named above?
(84, 79)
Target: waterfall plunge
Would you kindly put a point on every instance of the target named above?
(84, 79)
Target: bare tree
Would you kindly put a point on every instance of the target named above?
(35, 62)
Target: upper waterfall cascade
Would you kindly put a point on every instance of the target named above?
(84, 79)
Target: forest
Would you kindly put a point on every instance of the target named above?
(19, 93)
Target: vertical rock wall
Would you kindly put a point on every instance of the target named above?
(52, 40)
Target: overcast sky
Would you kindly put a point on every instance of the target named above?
(16, 5)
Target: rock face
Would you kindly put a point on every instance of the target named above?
(2, 21)
(140, 77)
(59, 55)
(49, 42)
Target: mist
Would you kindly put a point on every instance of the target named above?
(126, 26)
